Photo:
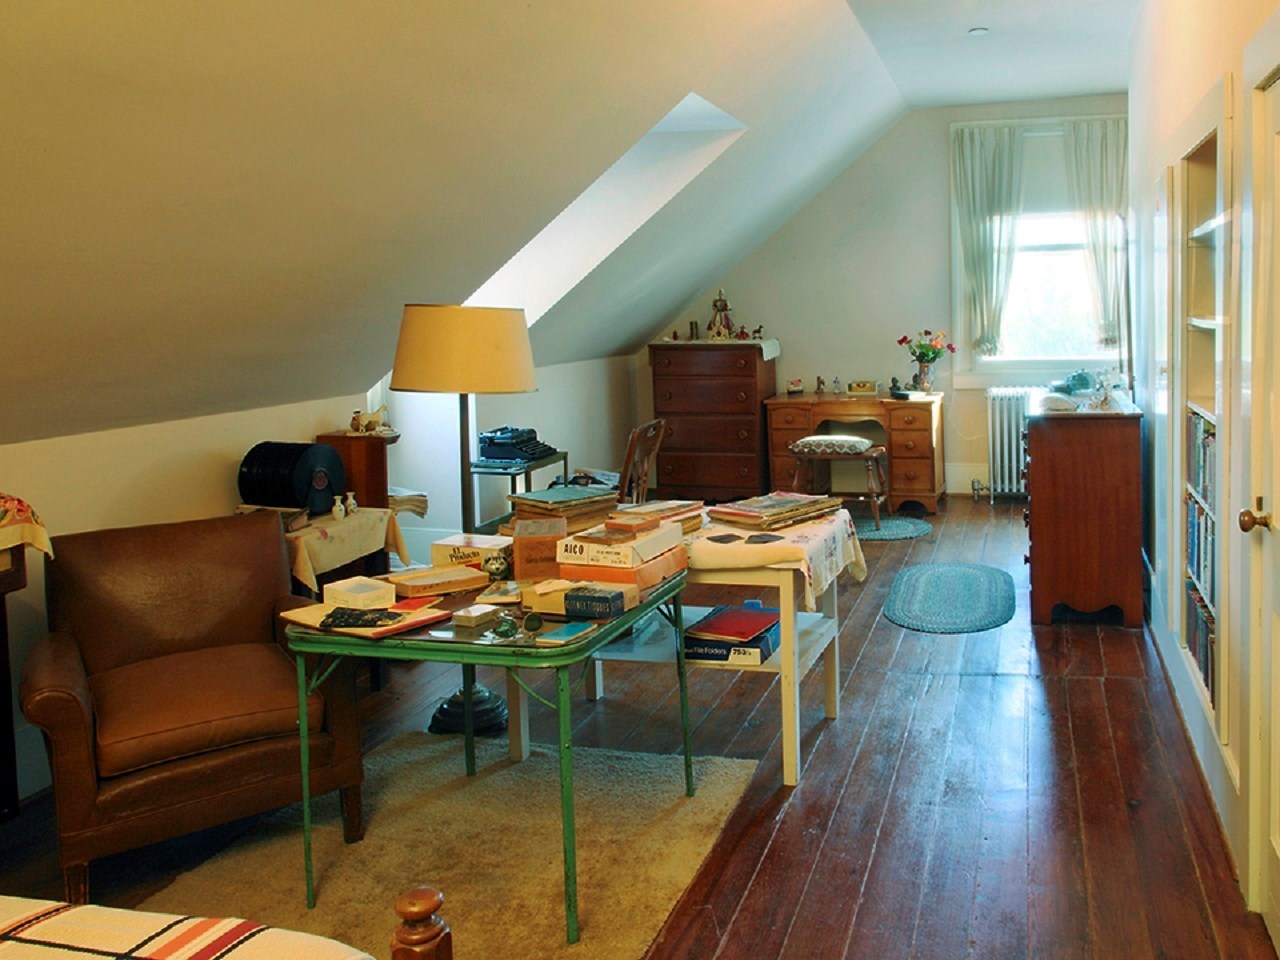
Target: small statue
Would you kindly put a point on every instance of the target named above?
(821, 387)
(721, 325)
(758, 333)
(742, 334)
(795, 386)
(895, 389)
(675, 334)
(836, 386)
(355, 422)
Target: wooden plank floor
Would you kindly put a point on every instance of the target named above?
(1022, 792)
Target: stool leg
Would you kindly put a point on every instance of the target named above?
(796, 483)
(874, 489)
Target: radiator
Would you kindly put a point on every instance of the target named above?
(1007, 409)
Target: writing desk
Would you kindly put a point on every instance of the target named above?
(449, 644)
(913, 436)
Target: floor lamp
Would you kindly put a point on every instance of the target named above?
(464, 350)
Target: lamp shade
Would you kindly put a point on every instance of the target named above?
(455, 349)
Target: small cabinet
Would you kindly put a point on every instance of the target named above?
(1084, 479)
(711, 396)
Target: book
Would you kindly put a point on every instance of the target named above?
(606, 534)
(646, 575)
(565, 633)
(634, 524)
(311, 616)
(560, 501)
(437, 580)
(733, 624)
(773, 510)
(642, 547)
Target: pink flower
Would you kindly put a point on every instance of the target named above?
(904, 340)
(951, 347)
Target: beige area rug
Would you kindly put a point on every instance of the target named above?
(492, 843)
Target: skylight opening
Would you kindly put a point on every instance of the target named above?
(639, 184)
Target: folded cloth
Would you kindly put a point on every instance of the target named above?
(19, 525)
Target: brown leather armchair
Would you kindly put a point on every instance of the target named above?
(165, 693)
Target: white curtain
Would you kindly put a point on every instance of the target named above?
(1098, 184)
(987, 185)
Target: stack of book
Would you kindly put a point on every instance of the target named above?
(688, 513)
(580, 507)
(742, 636)
(643, 554)
(774, 510)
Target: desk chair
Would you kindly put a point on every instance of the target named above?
(632, 481)
(844, 448)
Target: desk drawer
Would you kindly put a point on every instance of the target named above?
(709, 470)
(713, 434)
(707, 362)
(911, 443)
(673, 395)
(901, 418)
(789, 418)
(910, 474)
(815, 475)
(780, 441)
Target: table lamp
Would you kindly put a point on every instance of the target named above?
(464, 350)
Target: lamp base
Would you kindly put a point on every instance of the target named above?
(488, 709)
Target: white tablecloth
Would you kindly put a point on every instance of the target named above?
(326, 544)
(819, 549)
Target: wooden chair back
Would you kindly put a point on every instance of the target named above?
(642, 452)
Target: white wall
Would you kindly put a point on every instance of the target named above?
(868, 260)
(179, 470)
(1182, 48)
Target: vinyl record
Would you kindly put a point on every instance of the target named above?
(278, 474)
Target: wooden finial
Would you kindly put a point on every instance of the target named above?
(421, 934)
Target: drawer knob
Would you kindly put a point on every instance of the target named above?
(741, 397)
(742, 471)
(789, 419)
(911, 474)
(909, 418)
(666, 469)
(742, 434)
(666, 395)
(910, 444)
(1026, 518)
(741, 363)
(666, 361)
(670, 432)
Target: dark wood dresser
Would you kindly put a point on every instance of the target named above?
(1084, 479)
(712, 397)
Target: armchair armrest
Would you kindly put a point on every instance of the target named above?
(54, 694)
(288, 602)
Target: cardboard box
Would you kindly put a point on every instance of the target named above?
(648, 574)
(534, 548)
(360, 593)
(486, 552)
(632, 553)
(552, 603)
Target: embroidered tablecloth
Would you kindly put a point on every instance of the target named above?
(20, 526)
(819, 549)
(326, 544)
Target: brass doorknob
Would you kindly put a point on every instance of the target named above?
(1249, 520)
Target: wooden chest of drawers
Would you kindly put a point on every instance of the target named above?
(711, 397)
(1084, 478)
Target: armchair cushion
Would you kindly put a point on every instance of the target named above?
(195, 701)
(830, 445)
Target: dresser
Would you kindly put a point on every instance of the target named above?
(711, 395)
(913, 437)
(1084, 479)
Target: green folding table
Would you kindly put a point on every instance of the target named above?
(468, 647)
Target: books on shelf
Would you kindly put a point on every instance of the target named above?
(734, 624)
(774, 510)
(395, 622)
(584, 548)
(745, 636)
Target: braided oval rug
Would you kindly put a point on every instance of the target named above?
(950, 598)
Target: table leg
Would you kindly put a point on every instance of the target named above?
(789, 683)
(677, 617)
(595, 679)
(564, 714)
(831, 655)
(468, 717)
(305, 750)
(517, 718)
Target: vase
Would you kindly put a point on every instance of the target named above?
(924, 376)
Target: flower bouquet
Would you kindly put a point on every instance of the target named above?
(926, 348)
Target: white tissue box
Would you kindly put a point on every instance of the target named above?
(360, 593)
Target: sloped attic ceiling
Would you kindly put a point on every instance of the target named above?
(223, 206)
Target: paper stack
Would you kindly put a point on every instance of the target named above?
(581, 507)
(774, 510)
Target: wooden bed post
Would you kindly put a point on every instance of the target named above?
(421, 934)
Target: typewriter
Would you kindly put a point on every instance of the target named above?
(513, 443)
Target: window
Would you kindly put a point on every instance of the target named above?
(1039, 246)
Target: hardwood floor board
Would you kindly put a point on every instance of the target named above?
(1015, 654)
(1083, 650)
(1174, 898)
(746, 696)
(1119, 925)
(1057, 901)
(981, 653)
(870, 712)
(707, 688)
(946, 905)
(1121, 652)
(998, 924)
(1050, 655)
(891, 896)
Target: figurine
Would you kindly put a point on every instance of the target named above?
(675, 334)
(349, 505)
(821, 387)
(370, 422)
(758, 333)
(795, 386)
(693, 329)
(721, 325)
(895, 389)
(355, 422)
(742, 334)
(836, 385)
(338, 511)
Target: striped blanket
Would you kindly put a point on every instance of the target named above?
(45, 930)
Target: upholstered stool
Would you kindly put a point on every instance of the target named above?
(847, 448)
